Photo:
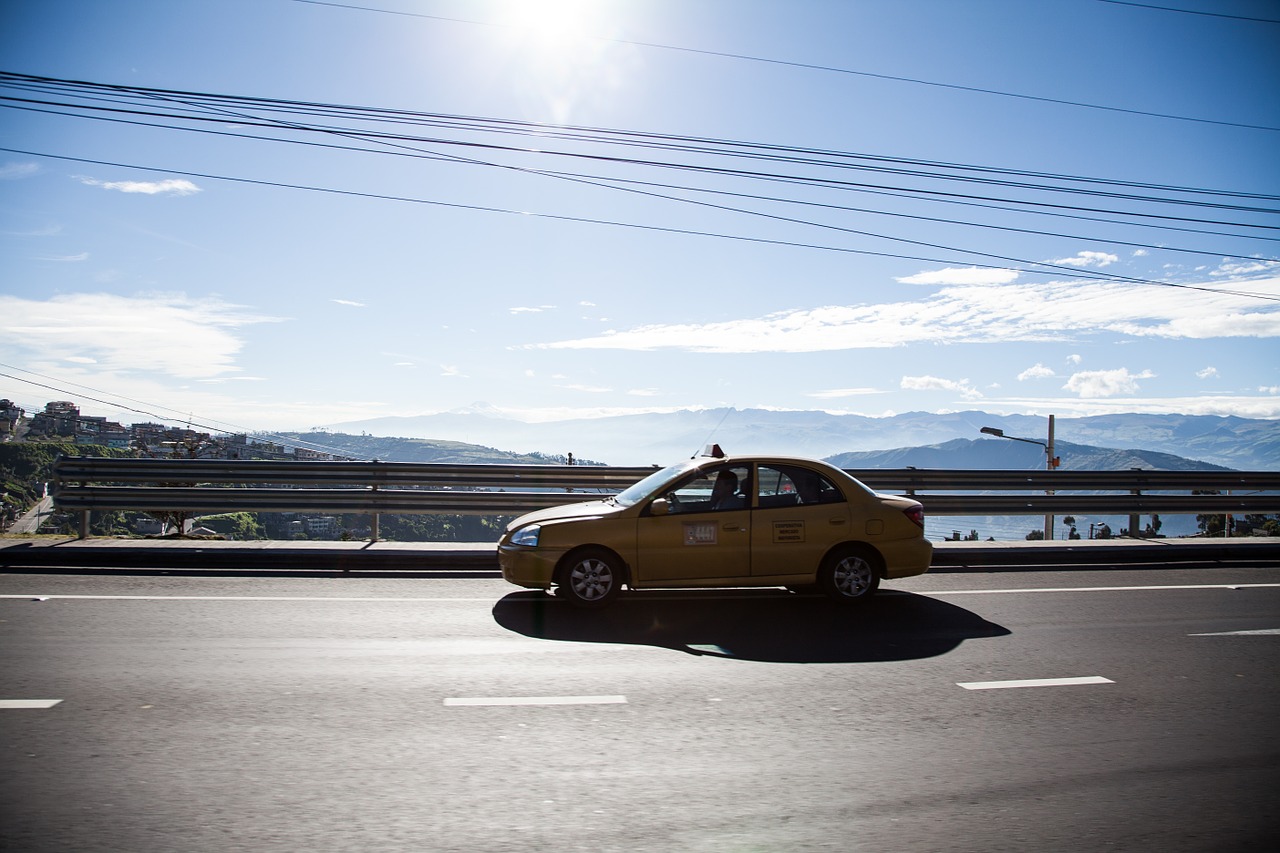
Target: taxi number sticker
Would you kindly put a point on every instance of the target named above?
(700, 533)
(788, 531)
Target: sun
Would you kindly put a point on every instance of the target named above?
(552, 24)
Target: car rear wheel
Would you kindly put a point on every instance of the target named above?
(850, 575)
(590, 578)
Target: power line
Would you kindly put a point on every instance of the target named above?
(245, 110)
(1185, 12)
(1028, 269)
(835, 69)
(1055, 210)
(218, 109)
(180, 416)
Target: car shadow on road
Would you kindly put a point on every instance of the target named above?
(757, 625)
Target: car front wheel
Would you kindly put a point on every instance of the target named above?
(590, 578)
(850, 575)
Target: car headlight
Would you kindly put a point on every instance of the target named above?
(527, 536)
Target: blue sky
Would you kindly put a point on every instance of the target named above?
(260, 283)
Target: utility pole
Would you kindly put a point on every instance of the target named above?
(1051, 462)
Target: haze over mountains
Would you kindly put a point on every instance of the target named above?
(915, 438)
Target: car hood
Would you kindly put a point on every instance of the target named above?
(568, 512)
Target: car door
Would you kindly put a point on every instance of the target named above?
(799, 515)
(702, 532)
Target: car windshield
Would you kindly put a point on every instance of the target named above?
(655, 482)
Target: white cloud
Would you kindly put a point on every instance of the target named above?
(348, 302)
(172, 186)
(1105, 383)
(1088, 259)
(171, 334)
(1269, 389)
(532, 309)
(1239, 406)
(1036, 371)
(66, 259)
(14, 171)
(1207, 373)
(936, 383)
(1233, 268)
(1075, 358)
(837, 393)
(586, 389)
(450, 370)
(1054, 311)
(965, 276)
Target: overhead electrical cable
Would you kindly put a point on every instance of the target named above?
(541, 131)
(1055, 267)
(1031, 270)
(222, 109)
(1193, 12)
(824, 68)
(858, 186)
(974, 201)
(181, 416)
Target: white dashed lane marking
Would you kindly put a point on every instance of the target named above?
(28, 703)
(1033, 682)
(534, 700)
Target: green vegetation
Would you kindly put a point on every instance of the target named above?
(26, 466)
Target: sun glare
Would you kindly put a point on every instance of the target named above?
(552, 24)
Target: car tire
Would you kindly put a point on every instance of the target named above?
(850, 575)
(591, 577)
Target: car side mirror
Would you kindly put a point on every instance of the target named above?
(661, 506)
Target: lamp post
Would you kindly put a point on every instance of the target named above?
(1051, 462)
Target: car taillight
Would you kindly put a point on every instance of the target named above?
(915, 513)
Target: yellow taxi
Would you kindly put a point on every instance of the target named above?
(721, 521)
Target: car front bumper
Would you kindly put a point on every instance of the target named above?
(532, 568)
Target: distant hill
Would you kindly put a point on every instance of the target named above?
(662, 438)
(996, 454)
(386, 449)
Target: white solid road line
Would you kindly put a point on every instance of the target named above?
(1033, 682)
(1262, 632)
(1102, 588)
(456, 701)
(28, 703)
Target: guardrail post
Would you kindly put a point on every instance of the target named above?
(1134, 520)
(84, 524)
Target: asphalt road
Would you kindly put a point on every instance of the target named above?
(357, 714)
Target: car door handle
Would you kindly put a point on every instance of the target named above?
(839, 521)
(732, 527)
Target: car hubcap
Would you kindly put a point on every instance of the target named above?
(591, 579)
(853, 576)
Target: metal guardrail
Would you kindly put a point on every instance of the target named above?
(87, 484)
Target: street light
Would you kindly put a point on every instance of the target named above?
(1051, 462)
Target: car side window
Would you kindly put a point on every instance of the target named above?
(713, 490)
(789, 486)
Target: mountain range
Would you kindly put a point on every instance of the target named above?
(915, 438)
